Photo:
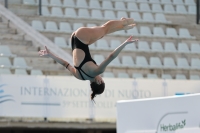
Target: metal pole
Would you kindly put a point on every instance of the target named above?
(6, 3)
(198, 11)
(40, 7)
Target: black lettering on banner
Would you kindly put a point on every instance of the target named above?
(107, 93)
(84, 104)
(75, 104)
(71, 92)
(84, 92)
(40, 92)
(81, 104)
(60, 93)
(166, 128)
(135, 94)
(124, 93)
(35, 90)
(21, 90)
(120, 93)
(46, 92)
(141, 93)
(104, 104)
(172, 127)
(26, 90)
(53, 91)
(65, 92)
(76, 92)
(147, 94)
(113, 93)
(66, 103)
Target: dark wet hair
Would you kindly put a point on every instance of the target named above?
(97, 89)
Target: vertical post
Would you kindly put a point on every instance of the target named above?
(198, 11)
(40, 7)
(165, 90)
(46, 113)
(135, 90)
(6, 3)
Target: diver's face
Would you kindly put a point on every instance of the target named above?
(98, 79)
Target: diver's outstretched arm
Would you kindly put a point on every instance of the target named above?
(48, 53)
(101, 68)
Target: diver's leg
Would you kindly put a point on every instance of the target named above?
(91, 35)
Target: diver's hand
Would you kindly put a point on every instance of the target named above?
(45, 52)
(130, 40)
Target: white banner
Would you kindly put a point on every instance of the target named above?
(158, 115)
(67, 97)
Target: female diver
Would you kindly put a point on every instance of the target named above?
(85, 68)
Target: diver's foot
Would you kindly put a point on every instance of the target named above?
(127, 21)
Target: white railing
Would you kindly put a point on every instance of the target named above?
(31, 34)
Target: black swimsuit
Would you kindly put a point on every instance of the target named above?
(76, 43)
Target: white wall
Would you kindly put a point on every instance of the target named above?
(67, 97)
